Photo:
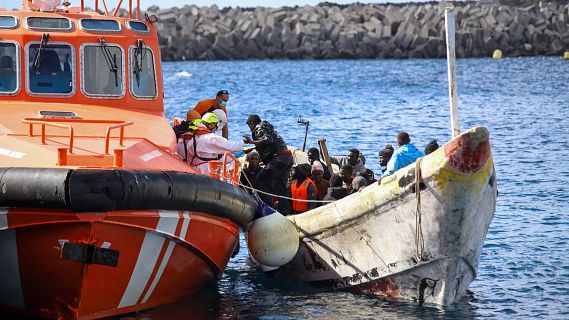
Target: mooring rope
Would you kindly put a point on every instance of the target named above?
(419, 240)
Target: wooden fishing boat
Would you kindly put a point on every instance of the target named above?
(98, 215)
(416, 236)
(394, 242)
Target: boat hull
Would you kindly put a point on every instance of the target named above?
(92, 265)
(389, 242)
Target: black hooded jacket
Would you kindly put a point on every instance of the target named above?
(271, 142)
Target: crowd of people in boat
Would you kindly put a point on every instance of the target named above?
(269, 171)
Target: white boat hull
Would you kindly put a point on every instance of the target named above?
(371, 241)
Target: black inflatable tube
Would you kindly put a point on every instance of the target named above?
(111, 190)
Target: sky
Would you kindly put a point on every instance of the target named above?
(10, 4)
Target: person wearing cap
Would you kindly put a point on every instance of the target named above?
(205, 145)
(317, 175)
(314, 155)
(190, 124)
(277, 160)
(219, 103)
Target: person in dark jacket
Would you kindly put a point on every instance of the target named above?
(336, 191)
(277, 160)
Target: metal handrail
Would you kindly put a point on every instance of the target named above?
(235, 177)
(51, 122)
(46, 123)
(121, 135)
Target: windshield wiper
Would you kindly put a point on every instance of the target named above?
(110, 59)
(37, 58)
(138, 59)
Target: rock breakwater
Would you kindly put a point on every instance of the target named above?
(331, 31)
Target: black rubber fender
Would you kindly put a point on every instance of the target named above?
(112, 190)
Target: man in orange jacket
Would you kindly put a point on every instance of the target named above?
(302, 188)
(209, 105)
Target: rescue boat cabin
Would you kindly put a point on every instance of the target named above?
(64, 62)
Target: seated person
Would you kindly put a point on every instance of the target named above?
(384, 156)
(431, 146)
(250, 171)
(302, 188)
(314, 155)
(317, 175)
(347, 175)
(405, 155)
(358, 184)
(335, 191)
(354, 159)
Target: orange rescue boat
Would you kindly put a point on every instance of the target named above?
(98, 215)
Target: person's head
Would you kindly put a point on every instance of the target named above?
(221, 117)
(313, 155)
(353, 156)
(317, 171)
(358, 183)
(252, 121)
(301, 172)
(335, 181)
(403, 138)
(431, 146)
(346, 172)
(385, 154)
(221, 98)
(192, 115)
(253, 159)
(210, 121)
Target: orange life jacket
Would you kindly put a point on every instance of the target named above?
(190, 135)
(300, 192)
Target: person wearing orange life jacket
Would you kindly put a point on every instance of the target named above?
(204, 145)
(219, 103)
(303, 188)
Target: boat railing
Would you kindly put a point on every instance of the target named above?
(29, 5)
(222, 169)
(114, 124)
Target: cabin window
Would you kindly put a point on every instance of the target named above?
(7, 22)
(9, 66)
(49, 23)
(138, 26)
(102, 70)
(51, 69)
(100, 25)
(142, 72)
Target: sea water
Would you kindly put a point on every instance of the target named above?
(524, 268)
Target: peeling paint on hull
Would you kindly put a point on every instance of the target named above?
(371, 242)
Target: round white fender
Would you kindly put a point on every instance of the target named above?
(273, 240)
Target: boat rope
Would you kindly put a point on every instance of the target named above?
(419, 240)
(283, 197)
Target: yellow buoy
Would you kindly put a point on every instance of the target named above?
(566, 55)
(497, 55)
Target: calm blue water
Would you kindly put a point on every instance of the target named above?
(524, 270)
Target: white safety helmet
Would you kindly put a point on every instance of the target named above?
(221, 118)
